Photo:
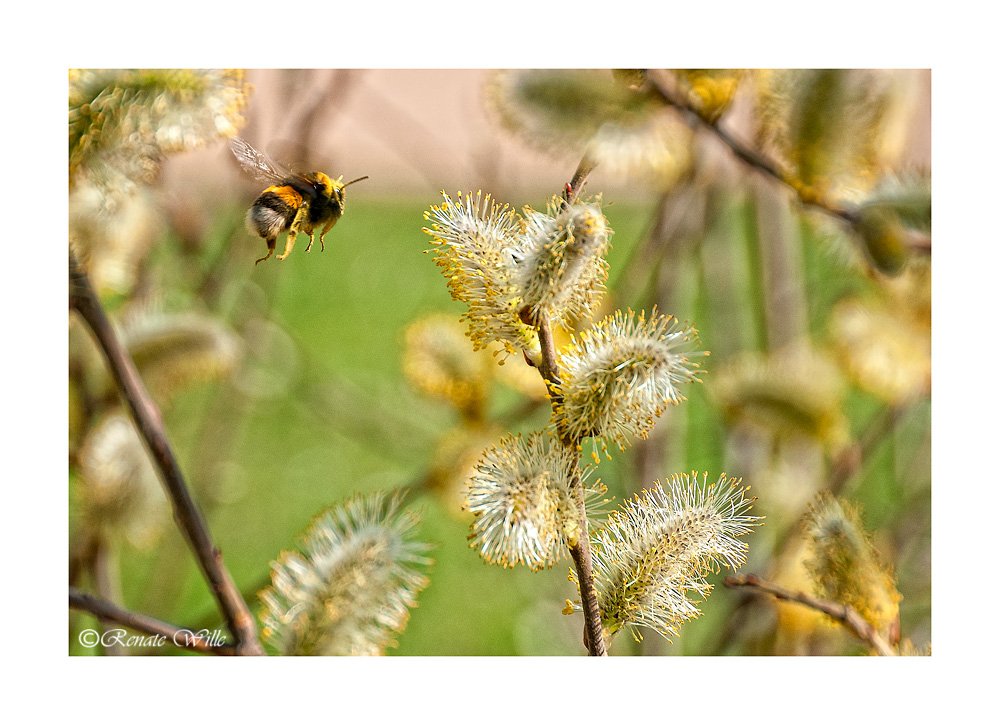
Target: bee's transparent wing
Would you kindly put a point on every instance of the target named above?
(255, 163)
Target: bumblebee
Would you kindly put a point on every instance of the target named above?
(293, 203)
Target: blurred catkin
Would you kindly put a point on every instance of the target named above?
(611, 119)
(350, 588)
(898, 206)
(834, 132)
(118, 496)
(122, 125)
(440, 362)
(453, 462)
(122, 122)
(174, 351)
(709, 91)
(844, 564)
(793, 392)
(884, 341)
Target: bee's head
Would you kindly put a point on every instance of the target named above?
(323, 184)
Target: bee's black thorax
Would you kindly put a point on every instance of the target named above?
(303, 187)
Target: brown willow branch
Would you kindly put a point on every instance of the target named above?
(917, 241)
(843, 613)
(105, 611)
(593, 636)
(572, 190)
(149, 424)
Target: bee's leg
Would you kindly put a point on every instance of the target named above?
(328, 227)
(289, 243)
(270, 250)
(293, 230)
(312, 238)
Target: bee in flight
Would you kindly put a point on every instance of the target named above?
(293, 202)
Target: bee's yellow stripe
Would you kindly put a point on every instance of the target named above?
(287, 194)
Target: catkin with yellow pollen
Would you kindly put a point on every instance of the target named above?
(651, 557)
(520, 494)
(477, 242)
(563, 270)
(619, 375)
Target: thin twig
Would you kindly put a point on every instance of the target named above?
(548, 367)
(105, 611)
(843, 613)
(593, 636)
(572, 190)
(149, 424)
